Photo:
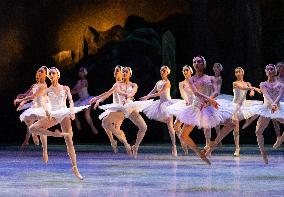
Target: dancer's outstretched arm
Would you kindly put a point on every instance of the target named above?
(153, 94)
(32, 96)
(71, 103)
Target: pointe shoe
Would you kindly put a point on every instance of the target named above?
(264, 157)
(128, 150)
(174, 151)
(114, 146)
(202, 156)
(44, 157)
(134, 149)
(24, 145)
(35, 139)
(245, 125)
(237, 152)
(278, 142)
(184, 148)
(95, 131)
(211, 146)
(77, 173)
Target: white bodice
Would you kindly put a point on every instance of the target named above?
(187, 92)
(166, 95)
(83, 94)
(239, 95)
(115, 98)
(57, 102)
(126, 89)
(273, 91)
(39, 100)
(203, 85)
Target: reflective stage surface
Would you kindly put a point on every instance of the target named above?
(153, 173)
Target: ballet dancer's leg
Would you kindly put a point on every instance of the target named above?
(87, 113)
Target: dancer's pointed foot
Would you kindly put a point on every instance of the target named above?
(114, 146)
(134, 149)
(210, 147)
(264, 157)
(174, 151)
(44, 157)
(278, 142)
(237, 152)
(128, 150)
(35, 139)
(95, 131)
(245, 125)
(77, 173)
(202, 156)
(185, 149)
(24, 145)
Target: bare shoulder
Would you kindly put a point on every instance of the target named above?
(66, 88)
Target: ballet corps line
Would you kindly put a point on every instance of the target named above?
(201, 106)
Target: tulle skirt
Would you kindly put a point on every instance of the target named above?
(127, 108)
(244, 111)
(203, 117)
(157, 110)
(59, 115)
(225, 97)
(265, 111)
(82, 102)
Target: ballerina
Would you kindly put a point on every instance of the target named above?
(203, 112)
(240, 105)
(276, 125)
(280, 78)
(29, 116)
(81, 89)
(118, 77)
(57, 113)
(187, 96)
(125, 90)
(157, 110)
(271, 109)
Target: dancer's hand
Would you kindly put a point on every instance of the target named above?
(144, 98)
(21, 105)
(251, 93)
(93, 100)
(16, 101)
(96, 104)
(258, 90)
(214, 103)
(48, 114)
(274, 108)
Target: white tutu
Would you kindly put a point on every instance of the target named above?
(82, 102)
(245, 111)
(206, 117)
(59, 115)
(225, 97)
(265, 111)
(127, 108)
(32, 113)
(158, 110)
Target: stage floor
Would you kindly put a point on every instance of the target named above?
(153, 173)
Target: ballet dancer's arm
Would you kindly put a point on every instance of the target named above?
(79, 87)
(134, 90)
(20, 96)
(267, 96)
(32, 96)
(158, 93)
(276, 102)
(71, 103)
(152, 92)
(215, 88)
(203, 96)
(182, 92)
